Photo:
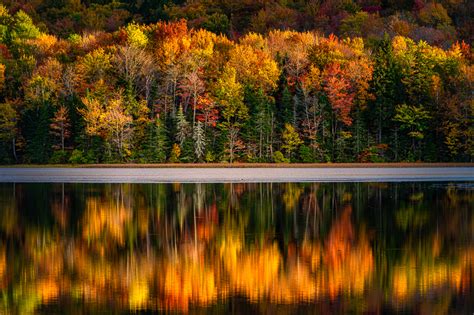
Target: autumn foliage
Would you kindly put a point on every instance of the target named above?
(144, 92)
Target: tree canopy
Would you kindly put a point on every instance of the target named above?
(176, 91)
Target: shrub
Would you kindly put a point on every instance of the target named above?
(59, 157)
(278, 157)
(306, 156)
(209, 157)
(175, 154)
(77, 157)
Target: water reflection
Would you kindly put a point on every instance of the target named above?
(330, 248)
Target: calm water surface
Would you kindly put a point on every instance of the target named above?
(237, 248)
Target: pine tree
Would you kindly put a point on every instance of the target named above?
(285, 108)
(182, 127)
(199, 141)
(155, 147)
(8, 129)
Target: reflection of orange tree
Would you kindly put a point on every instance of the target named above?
(48, 262)
(417, 276)
(342, 266)
(349, 264)
(125, 281)
(187, 280)
(3, 267)
(42, 281)
(254, 273)
(422, 270)
(105, 222)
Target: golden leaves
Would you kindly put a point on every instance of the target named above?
(49, 45)
(95, 65)
(92, 115)
(135, 36)
(254, 67)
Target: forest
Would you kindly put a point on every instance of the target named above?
(236, 81)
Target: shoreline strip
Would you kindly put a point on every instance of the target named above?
(222, 175)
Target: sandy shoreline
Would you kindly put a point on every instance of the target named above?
(246, 165)
(217, 175)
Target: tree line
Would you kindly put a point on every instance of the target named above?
(163, 92)
(439, 22)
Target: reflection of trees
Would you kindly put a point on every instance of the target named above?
(178, 246)
(351, 262)
(436, 257)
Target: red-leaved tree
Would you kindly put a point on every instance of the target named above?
(338, 91)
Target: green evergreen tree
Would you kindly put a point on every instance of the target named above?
(156, 143)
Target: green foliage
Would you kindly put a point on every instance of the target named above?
(74, 38)
(278, 157)
(306, 154)
(434, 14)
(387, 88)
(59, 157)
(183, 129)
(184, 136)
(412, 118)
(210, 157)
(373, 154)
(77, 157)
(344, 148)
(155, 146)
(291, 140)
(258, 129)
(8, 122)
(35, 127)
(5, 20)
(217, 23)
(285, 107)
(353, 25)
(411, 217)
(23, 27)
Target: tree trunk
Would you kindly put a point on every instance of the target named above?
(334, 128)
(358, 149)
(231, 150)
(62, 136)
(174, 98)
(396, 144)
(14, 149)
(194, 107)
(379, 133)
(294, 110)
(271, 136)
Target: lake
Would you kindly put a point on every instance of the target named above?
(282, 248)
